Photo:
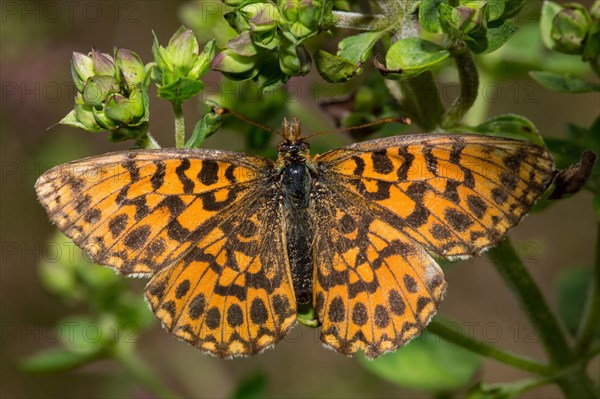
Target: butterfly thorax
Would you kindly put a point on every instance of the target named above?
(295, 183)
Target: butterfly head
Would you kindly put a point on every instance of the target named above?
(294, 147)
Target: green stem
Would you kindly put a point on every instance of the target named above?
(358, 21)
(138, 369)
(450, 334)
(147, 142)
(574, 384)
(422, 101)
(591, 317)
(179, 125)
(469, 85)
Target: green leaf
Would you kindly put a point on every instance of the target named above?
(563, 83)
(596, 204)
(352, 52)
(427, 364)
(335, 69)
(572, 291)
(357, 48)
(549, 10)
(53, 360)
(512, 8)
(251, 387)
(429, 17)
(512, 126)
(409, 57)
(180, 90)
(498, 33)
(206, 126)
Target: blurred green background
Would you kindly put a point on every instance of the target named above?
(37, 39)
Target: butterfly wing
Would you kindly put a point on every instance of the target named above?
(140, 211)
(456, 195)
(205, 223)
(374, 287)
(231, 295)
(381, 203)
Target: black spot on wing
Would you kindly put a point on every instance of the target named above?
(188, 184)
(382, 164)
(209, 172)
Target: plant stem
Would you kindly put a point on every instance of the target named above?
(450, 334)
(147, 142)
(136, 366)
(574, 384)
(469, 85)
(422, 100)
(358, 21)
(179, 125)
(591, 316)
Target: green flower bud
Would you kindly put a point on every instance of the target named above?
(82, 68)
(161, 56)
(294, 60)
(236, 66)
(229, 61)
(84, 116)
(471, 18)
(243, 44)
(104, 120)
(237, 21)
(570, 28)
(125, 110)
(183, 49)
(97, 88)
(131, 68)
(203, 62)
(103, 63)
(300, 18)
(178, 67)
(261, 17)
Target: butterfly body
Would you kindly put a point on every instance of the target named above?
(234, 243)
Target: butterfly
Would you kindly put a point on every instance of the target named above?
(235, 243)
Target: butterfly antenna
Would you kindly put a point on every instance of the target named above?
(222, 111)
(403, 120)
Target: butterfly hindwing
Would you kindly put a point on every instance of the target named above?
(231, 295)
(142, 210)
(375, 288)
(456, 195)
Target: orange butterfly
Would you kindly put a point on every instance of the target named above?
(235, 243)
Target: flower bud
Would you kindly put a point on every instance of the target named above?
(103, 63)
(300, 18)
(203, 62)
(237, 66)
(570, 28)
(131, 68)
(183, 49)
(470, 19)
(125, 110)
(97, 88)
(82, 67)
(294, 60)
(261, 17)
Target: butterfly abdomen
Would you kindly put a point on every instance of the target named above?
(295, 187)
